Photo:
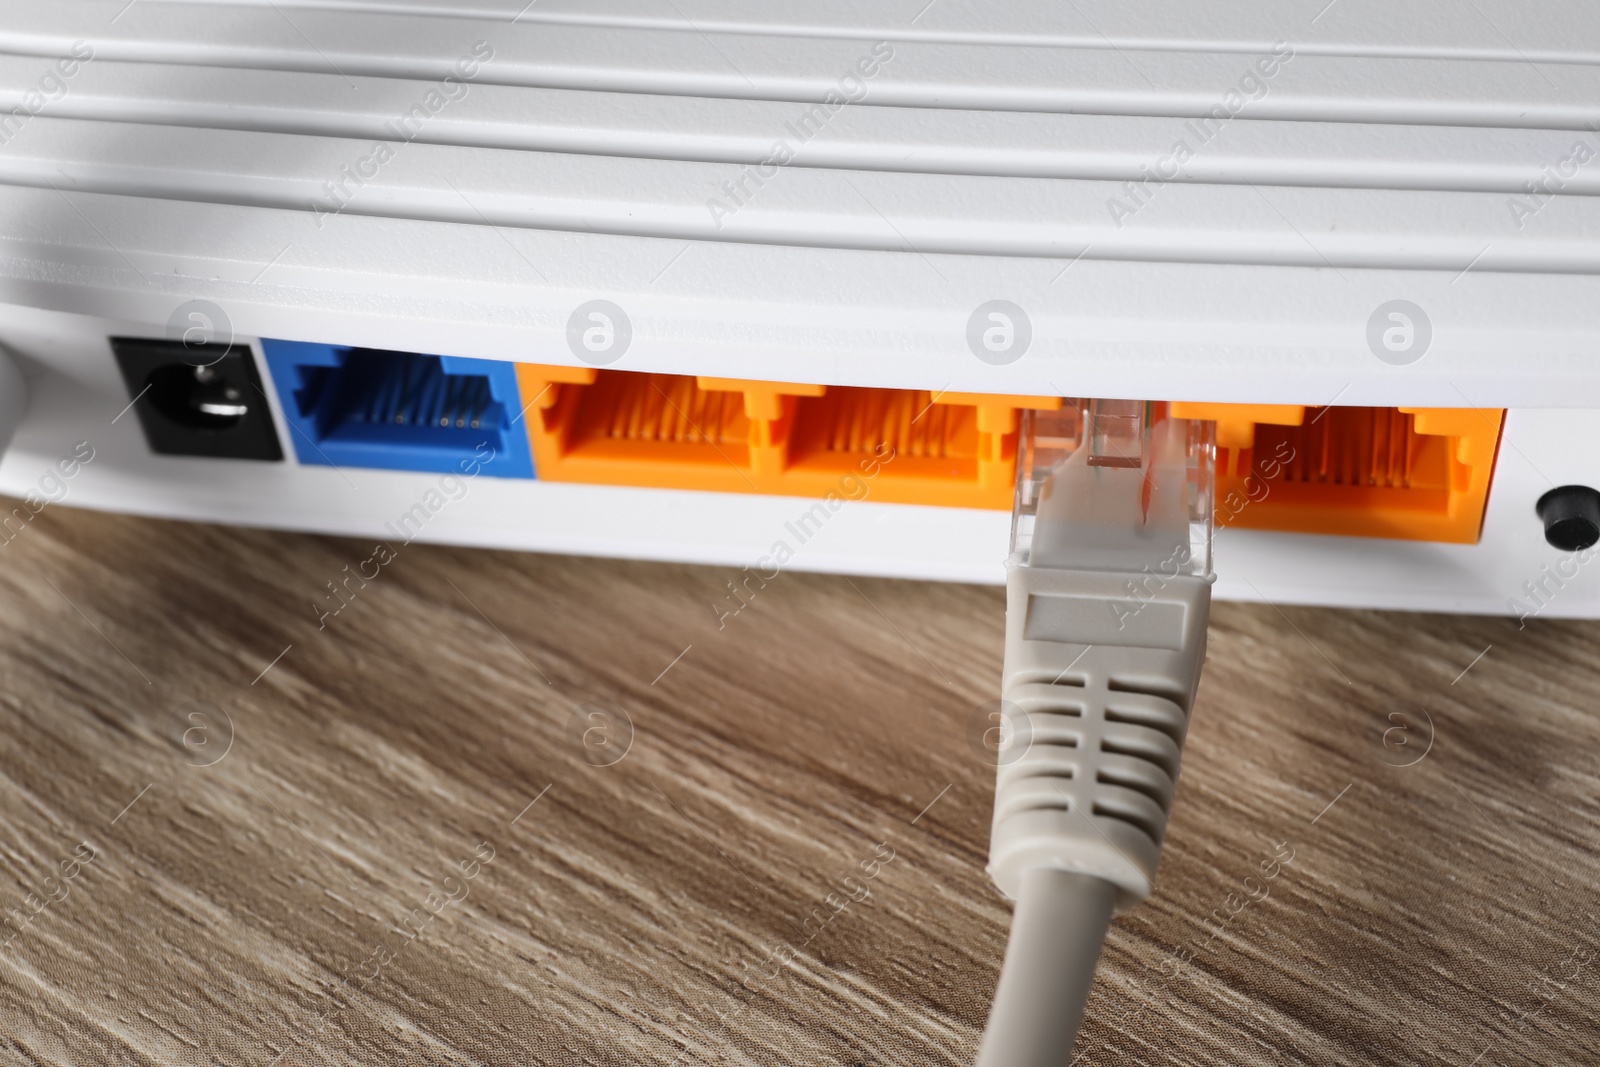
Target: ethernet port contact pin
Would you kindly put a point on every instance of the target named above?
(198, 400)
(411, 411)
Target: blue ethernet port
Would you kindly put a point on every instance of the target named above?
(362, 407)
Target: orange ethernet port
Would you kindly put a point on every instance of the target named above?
(1417, 474)
(614, 427)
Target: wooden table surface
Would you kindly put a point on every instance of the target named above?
(520, 809)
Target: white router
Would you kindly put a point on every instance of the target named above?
(1313, 206)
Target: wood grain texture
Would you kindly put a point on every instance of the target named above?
(785, 866)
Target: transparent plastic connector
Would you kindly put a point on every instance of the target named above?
(1116, 433)
(1114, 485)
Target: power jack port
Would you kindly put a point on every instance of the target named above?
(198, 397)
(1571, 517)
(198, 400)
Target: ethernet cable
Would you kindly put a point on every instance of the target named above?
(1107, 599)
